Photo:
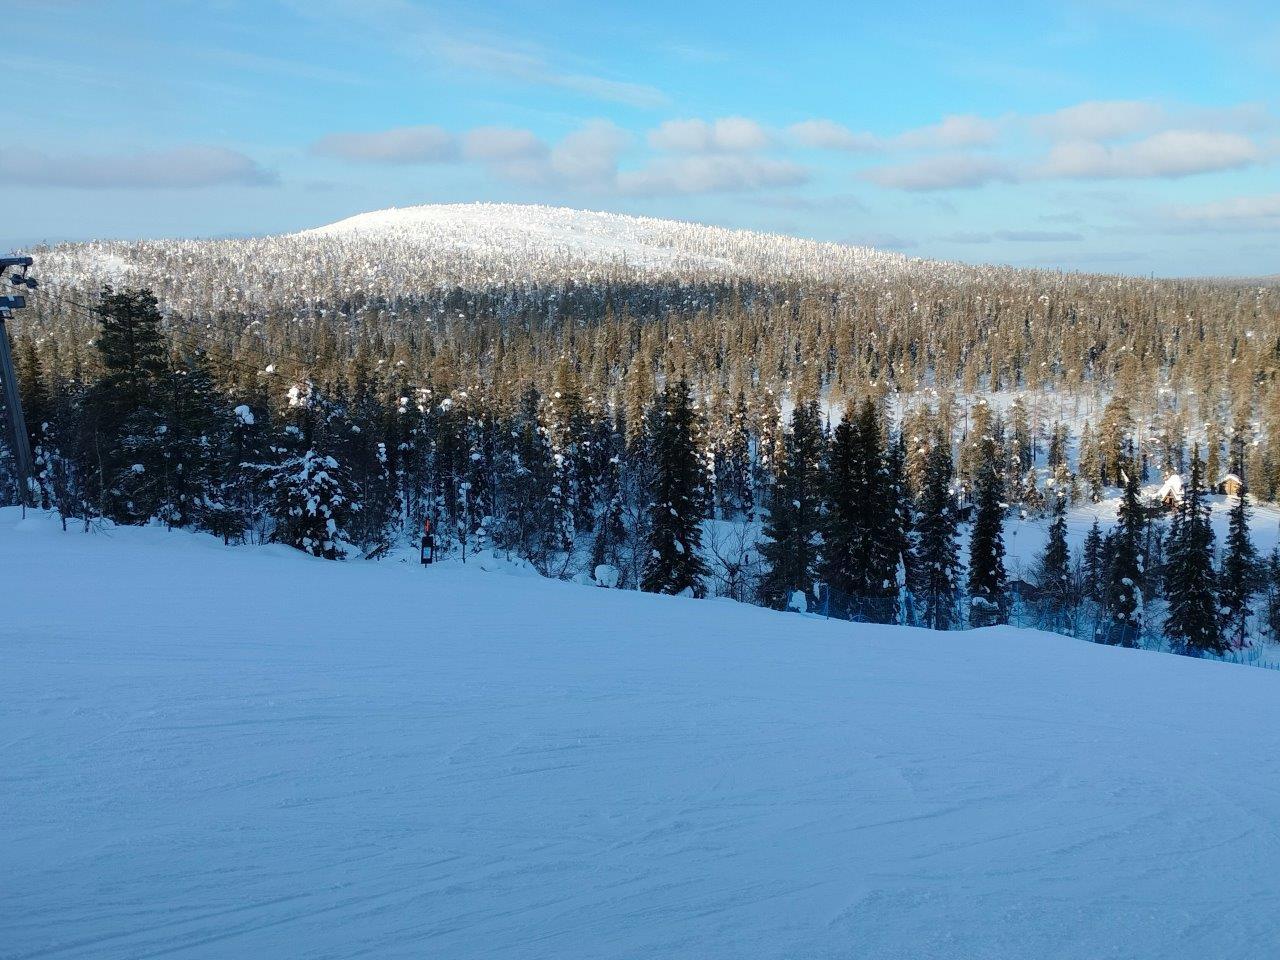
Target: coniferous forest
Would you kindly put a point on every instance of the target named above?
(854, 437)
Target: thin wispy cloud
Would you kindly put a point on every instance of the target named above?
(528, 67)
(429, 35)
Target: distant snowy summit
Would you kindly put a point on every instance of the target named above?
(585, 238)
(415, 252)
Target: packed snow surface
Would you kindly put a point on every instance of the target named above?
(244, 752)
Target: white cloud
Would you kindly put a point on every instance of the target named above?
(1100, 120)
(711, 173)
(590, 155)
(726, 135)
(400, 145)
(177, 168)
(1039, 236)
(957, 130)
(947, 172)
(1103, 120)
(1173, 153)
(501, 143)
(1014, 236)
(829, 135)
(953, 131)
(1234, 214)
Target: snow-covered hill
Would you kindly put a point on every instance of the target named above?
(588, 240)
(214, 752)
(400, 252)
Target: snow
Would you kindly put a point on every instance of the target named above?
(247, 752)
(411, 251)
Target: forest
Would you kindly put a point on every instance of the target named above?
(853, 427)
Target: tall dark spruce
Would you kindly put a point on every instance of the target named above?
(792, 529)
(861, 525)
(1192, 624)
(677, 498)
(935, 565)
(988, 592)
(1123, 599)
(1239, 577)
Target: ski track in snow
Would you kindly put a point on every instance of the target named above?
(212, 752)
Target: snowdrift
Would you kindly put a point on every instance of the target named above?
(245, 752)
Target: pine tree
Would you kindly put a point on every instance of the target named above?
(1114, 455)
(1090, 465)
(935, 566)
(988, 596)
(1239, 575)
(1192, 623)
(677, 498)
(791, 532)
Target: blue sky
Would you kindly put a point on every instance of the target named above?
(1121, 136)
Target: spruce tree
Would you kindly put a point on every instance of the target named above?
(902, 518)
(1239, 575)
(1192, 623)
(1123, 600)
(934, 564)
(677, 498)
(1093, 563)
(37, 409)
(861, 523)
(312, 502)
(123, 430)
(1271, 574)
(1053, 569)
(735, 497)
(791, 531)
(988, 594)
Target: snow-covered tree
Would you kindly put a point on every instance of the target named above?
(312, 501)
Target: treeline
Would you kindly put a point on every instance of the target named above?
(343, 454)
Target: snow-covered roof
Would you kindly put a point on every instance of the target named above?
(1172, 487)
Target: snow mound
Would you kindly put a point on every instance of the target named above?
(248, 752)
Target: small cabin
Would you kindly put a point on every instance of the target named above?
(1231, 485)
(1169, 495)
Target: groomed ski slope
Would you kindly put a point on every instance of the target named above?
(212, 752)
